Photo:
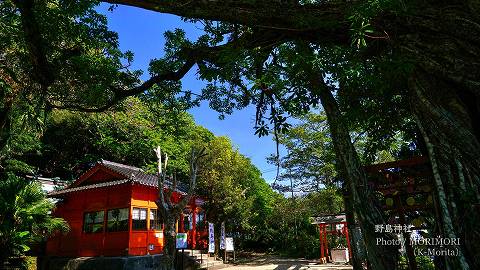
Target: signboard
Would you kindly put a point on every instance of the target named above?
(229, 244)
(159, 235)
(339, 255)
(211, 238)
(181, 240)
(222, 236)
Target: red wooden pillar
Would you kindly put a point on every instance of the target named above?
(326, 242)
(105, 213)
(345, 230)
(194, 227)
(320, 230)
(323, 243)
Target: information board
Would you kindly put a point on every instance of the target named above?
(181, 241)
(229, 244)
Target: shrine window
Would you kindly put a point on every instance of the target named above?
(93, 222)
(200, 221)
(200, 217)
(117, 220)
(187, 222)
(156, 221)
(139, 219)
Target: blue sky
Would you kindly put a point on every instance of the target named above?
(141, 32)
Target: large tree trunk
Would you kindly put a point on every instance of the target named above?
(169, 210)
(169, 235)
(324, 21)
(356, 243)
(454, 152)
(360, 196)
(444, 91)
(379, 257)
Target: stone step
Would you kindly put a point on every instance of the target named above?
(209, 261)
(204, 260)
(193, 251)
(210, 264)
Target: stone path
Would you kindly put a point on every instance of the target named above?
(268, 262)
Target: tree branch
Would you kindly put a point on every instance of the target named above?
(173, 186)
(191, 56)
(42, 70)
(194, 160)
(326, 20)
(162, 203)
(120, 94)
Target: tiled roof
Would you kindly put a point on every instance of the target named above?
(138, 175)
(131, 174)
(103, 184)
(329, 219)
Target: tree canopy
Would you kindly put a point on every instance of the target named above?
(126, 134)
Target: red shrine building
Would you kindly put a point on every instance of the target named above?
(111, 211)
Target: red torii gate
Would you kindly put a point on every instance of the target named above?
(328, 225)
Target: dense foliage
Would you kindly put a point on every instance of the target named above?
(25, 217)
(310, 158)
(290, 229)
(127, 135)
(236, 192)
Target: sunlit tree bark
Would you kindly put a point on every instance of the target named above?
(169, 210)
(360, 196)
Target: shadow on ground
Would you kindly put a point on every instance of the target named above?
(272, 262)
